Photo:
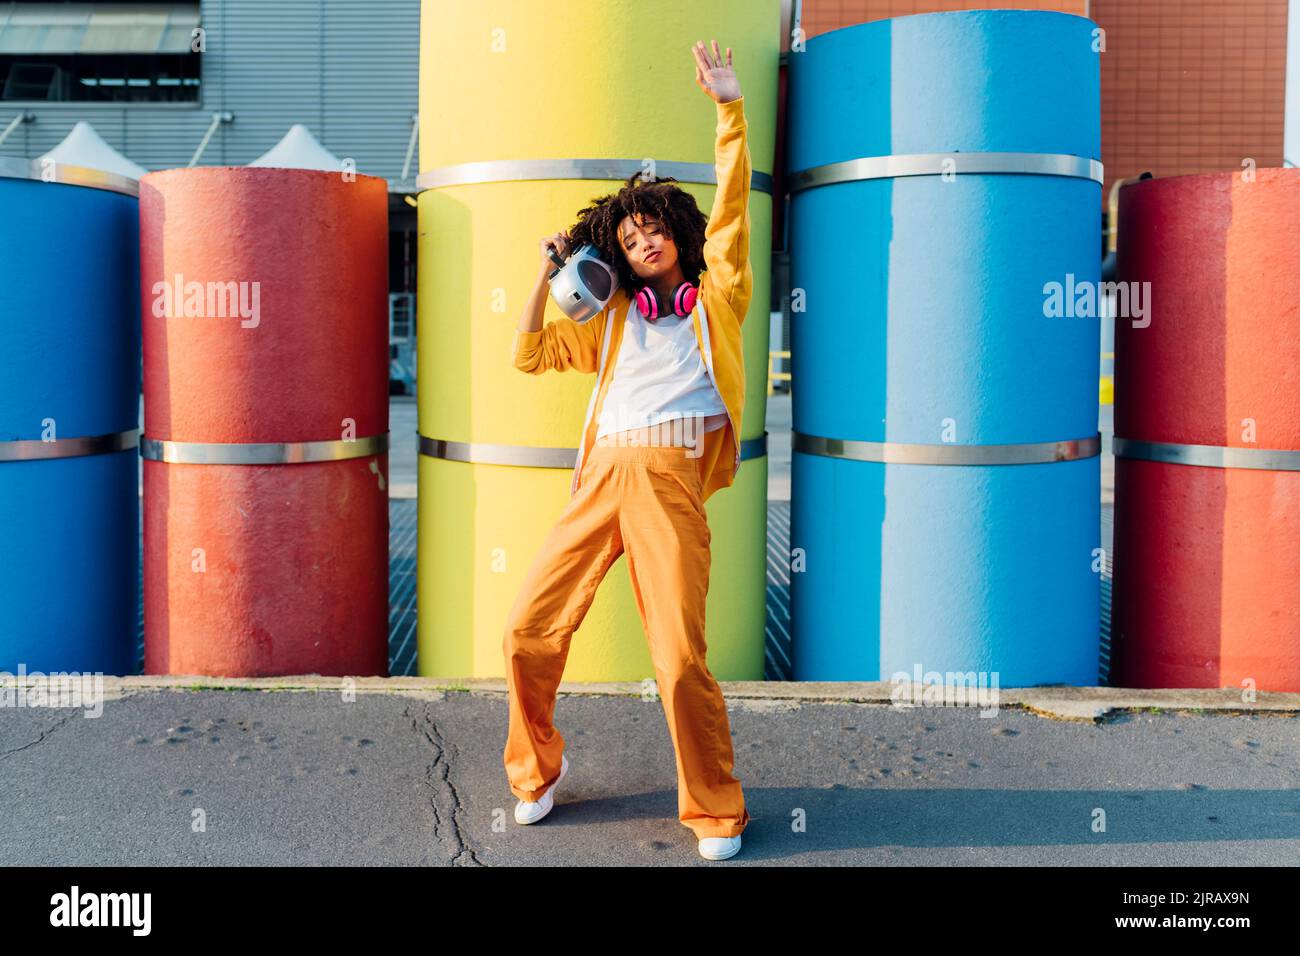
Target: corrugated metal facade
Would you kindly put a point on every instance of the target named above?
(348, 70)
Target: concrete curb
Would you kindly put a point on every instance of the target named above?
(1088, 704)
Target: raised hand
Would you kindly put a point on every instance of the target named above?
(715, 77)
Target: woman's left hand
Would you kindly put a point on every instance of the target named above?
(714, 76)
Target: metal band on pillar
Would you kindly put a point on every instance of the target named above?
(1208, 456)
(55, 172)
(900, 453)
(261, 453)
(35, 449)
(515, 170)
(534, 456)
(753, 447)
(531, 456)
(955, 163)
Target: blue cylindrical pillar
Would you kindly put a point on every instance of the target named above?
(924, 335)
(69, 410)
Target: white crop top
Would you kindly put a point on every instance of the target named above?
(659, 376)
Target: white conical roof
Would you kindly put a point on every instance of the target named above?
(299, 150)
(85, 147)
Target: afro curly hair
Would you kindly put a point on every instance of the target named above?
(644, 199)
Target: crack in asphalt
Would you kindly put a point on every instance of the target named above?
(439, 780)
(44, 734)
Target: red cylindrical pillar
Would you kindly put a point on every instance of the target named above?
(265, 327)
(1207, 434)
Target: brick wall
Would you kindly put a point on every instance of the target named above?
(1191, 86)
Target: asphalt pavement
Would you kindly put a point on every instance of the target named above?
(408, 771)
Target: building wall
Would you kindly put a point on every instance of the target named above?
(348, 70)
(1291, 131)
(1191, 86)
(1187, 85)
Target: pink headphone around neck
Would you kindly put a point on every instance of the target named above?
(683, 301)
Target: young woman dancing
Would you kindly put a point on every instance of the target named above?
(661, 435)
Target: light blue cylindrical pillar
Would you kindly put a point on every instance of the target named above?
(69, 409)
(926, 336)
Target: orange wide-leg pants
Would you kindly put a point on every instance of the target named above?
(645, 501)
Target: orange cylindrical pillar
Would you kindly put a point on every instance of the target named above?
(264, 296)
(1207, 433)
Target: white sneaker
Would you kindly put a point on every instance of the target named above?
(719, 848)
(531, 811)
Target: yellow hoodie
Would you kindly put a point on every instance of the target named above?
(725, 289)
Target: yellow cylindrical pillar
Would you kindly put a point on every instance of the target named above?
(510, 82)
